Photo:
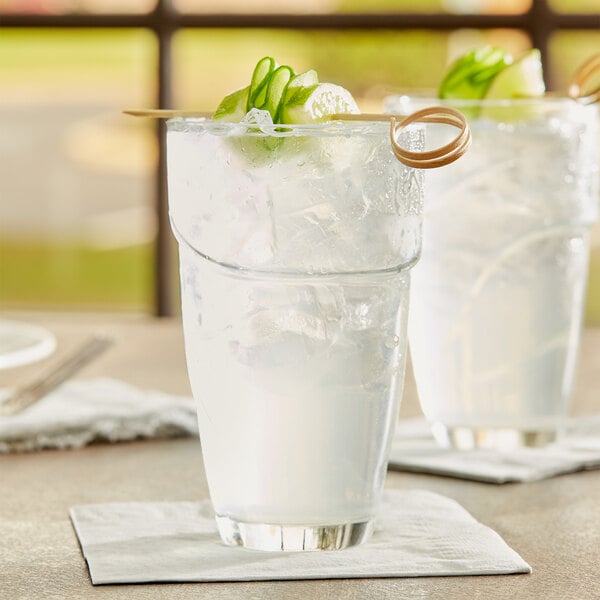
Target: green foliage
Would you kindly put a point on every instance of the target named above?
(33, 274)
(370, 64)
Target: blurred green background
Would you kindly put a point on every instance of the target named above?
(77, 223)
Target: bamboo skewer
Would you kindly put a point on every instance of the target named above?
(429, 159)
(165, 113)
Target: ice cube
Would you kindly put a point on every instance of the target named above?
(256, 116)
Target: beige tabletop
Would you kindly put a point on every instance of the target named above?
(554, 524)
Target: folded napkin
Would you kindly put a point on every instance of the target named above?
(414, 449)
(80, 412)
(419, 533)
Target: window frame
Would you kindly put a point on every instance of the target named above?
(539, 23)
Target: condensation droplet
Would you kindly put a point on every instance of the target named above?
(391, 341)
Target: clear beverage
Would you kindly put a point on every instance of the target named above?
(497, 298)
(295, 248)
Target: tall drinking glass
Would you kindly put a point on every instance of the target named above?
(295, 246)
(498, 295)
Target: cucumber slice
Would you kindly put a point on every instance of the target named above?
(471, 75)
(276, 91)
(314, 104)
(233, 106)
(523, 79)
(260, 82)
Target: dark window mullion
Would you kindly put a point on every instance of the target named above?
(164, 293)
(540, 27)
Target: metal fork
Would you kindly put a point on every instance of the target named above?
(25, 395)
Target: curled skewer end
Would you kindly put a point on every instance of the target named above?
(438, 157)
(429, 159)
(583, 80)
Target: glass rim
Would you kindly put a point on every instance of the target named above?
(361, 125)
(548, 100)
(324, 129)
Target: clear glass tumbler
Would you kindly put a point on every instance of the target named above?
(498, 295)
(295, 246)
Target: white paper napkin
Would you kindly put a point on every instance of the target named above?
(419, 533)
(414, 449)
(80, 412)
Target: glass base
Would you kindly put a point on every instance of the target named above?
(292, 538)
(491, 438)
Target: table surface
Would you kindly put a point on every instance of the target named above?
(553, 524)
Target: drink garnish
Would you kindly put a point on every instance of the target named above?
(288, 97)
(492, 73)
(522, 79)
(471, 75)
(277, 99)
(316, 103)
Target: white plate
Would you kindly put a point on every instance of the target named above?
(22, 343)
